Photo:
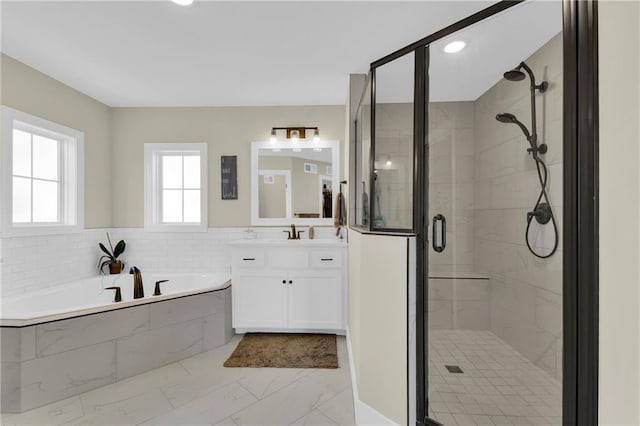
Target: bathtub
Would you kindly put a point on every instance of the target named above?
(89, 296)
(66, 340)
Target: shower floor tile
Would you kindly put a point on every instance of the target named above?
(498, 385)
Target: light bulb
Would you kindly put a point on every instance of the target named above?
(294, 136)
(455, 46)
(273, 138)
(316, 136)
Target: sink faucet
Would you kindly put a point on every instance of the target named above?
(138, 289)
(292, 234)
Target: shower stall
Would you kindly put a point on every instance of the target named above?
(465, 152)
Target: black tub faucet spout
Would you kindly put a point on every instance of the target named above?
(138, 288)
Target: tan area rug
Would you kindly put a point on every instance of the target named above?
(285, 350)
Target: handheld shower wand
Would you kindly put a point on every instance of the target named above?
(542, 212)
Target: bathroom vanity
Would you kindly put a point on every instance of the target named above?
(289, 285)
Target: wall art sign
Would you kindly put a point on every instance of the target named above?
(229, 177)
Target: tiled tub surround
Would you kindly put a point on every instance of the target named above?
(51, 361)
(33, 263)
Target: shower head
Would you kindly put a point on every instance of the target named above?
(514, 75)
(517, 74)
(505, 117)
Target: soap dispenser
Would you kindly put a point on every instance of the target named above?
(312, 233)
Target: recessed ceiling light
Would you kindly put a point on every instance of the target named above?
(183, 2)
(455, 46)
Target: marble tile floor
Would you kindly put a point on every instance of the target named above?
(200, 391)
(499, 386)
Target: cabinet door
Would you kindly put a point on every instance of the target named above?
(315, 300)
(260, 301)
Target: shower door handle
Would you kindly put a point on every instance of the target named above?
(443, 233)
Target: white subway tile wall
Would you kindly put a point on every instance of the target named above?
(33, 263)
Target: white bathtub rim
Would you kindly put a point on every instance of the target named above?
(47, 317)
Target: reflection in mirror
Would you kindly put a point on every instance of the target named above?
(302, 183)
(294, 184)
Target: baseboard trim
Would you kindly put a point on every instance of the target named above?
(365, 414)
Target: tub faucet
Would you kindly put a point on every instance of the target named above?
(138, 289)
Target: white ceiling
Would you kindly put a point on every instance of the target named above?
(494, 45)
(155, 53)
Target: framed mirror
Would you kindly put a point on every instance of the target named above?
(294, 182)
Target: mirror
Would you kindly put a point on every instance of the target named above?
(294, 183)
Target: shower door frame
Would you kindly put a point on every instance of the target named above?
(580, 204)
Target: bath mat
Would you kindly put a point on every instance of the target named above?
(285, 350)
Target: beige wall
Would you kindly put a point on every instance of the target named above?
(619, 81)
(378, 321)
(272, 197)
(28, 90)
(114, 139)
(228, 131)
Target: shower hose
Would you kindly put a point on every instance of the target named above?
(543, 175)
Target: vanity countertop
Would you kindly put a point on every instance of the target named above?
(283, 242)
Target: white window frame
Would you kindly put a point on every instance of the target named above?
(152, 154)
(71, 172)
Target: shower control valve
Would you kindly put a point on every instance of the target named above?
(542, 213)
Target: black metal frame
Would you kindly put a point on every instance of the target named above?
(353, 188)
(580, 201)
(580, 239)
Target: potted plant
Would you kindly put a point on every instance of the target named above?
(110, 257)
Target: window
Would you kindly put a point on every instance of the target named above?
(176, 186)
(42, 176)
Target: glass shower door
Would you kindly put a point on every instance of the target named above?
(494, 282)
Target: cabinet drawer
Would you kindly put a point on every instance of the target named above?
(326, 259)
(248, 258)
(288, 258)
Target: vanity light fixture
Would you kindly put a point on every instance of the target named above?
(295, 133)
(455, 46)
(183, 2)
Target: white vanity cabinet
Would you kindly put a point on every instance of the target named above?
(288, 285)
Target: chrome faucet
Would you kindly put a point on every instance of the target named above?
(138, 289)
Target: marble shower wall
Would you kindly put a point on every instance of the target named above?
(526, 292)
(451, 182)
(394, 164)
